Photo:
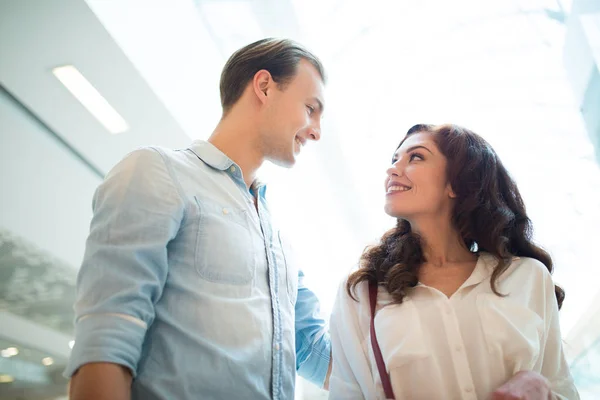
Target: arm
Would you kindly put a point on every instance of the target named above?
(328, 377)
(313, 346)
(554, 381)
(137, 211)
(101, 381)
(347, 343)
(554, 365)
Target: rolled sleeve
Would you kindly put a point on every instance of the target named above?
(313, 345)
(137, 211)
(106, 338)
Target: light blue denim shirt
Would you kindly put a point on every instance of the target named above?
(187, 284)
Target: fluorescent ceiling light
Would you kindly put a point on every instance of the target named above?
(91, 99)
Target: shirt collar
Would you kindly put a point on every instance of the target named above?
(212, 156)
(215, 158)
(483, 269)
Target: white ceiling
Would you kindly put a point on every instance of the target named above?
(495, 67)
(36, 36)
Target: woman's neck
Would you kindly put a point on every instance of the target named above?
(442, 243)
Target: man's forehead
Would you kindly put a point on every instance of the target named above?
(308, 73)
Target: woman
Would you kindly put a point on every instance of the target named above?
(464, 299)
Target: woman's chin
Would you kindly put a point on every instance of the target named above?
(395, 211)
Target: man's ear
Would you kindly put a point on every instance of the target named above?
(261, 84)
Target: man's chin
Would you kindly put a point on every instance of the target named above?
(284, 162)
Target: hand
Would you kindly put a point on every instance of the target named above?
(326, 383)
(524, 385)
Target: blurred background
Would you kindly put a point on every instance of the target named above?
(525, 74)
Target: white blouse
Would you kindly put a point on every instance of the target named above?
(462, 347)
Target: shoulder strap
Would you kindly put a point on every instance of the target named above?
(385, 378)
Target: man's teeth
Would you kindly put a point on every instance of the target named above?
(398, 189)
(299, 142)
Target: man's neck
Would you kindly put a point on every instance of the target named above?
(237, 138)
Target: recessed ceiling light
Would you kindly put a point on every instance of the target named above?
(6, 379)
(47, 361)
(91, 99)
(9, 352)
(71, 344)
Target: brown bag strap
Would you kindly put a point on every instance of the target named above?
(385, 378)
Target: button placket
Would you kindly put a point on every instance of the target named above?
(459, 357)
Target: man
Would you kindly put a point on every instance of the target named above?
(185, 291)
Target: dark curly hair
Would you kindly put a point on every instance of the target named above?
(488, 212)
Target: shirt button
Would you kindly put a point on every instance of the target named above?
(458, 348)
(468, 390)
(232, 168)
(225, 211)
(277, 347)
(448, 310)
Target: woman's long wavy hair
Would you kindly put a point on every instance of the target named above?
(488, 212)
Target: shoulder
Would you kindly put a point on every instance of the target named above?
(351, 311)
(157, 155)
(151, 162)
(354, 299)
(525, 273)
(145, 171)
(526, 266)
(141, 160)
(360, 291)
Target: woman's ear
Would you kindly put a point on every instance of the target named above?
(451, 193)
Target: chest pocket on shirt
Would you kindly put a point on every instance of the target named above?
(224, 250)
(400, 335)
(513, 332)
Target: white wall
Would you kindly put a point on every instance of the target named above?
(46, 191)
